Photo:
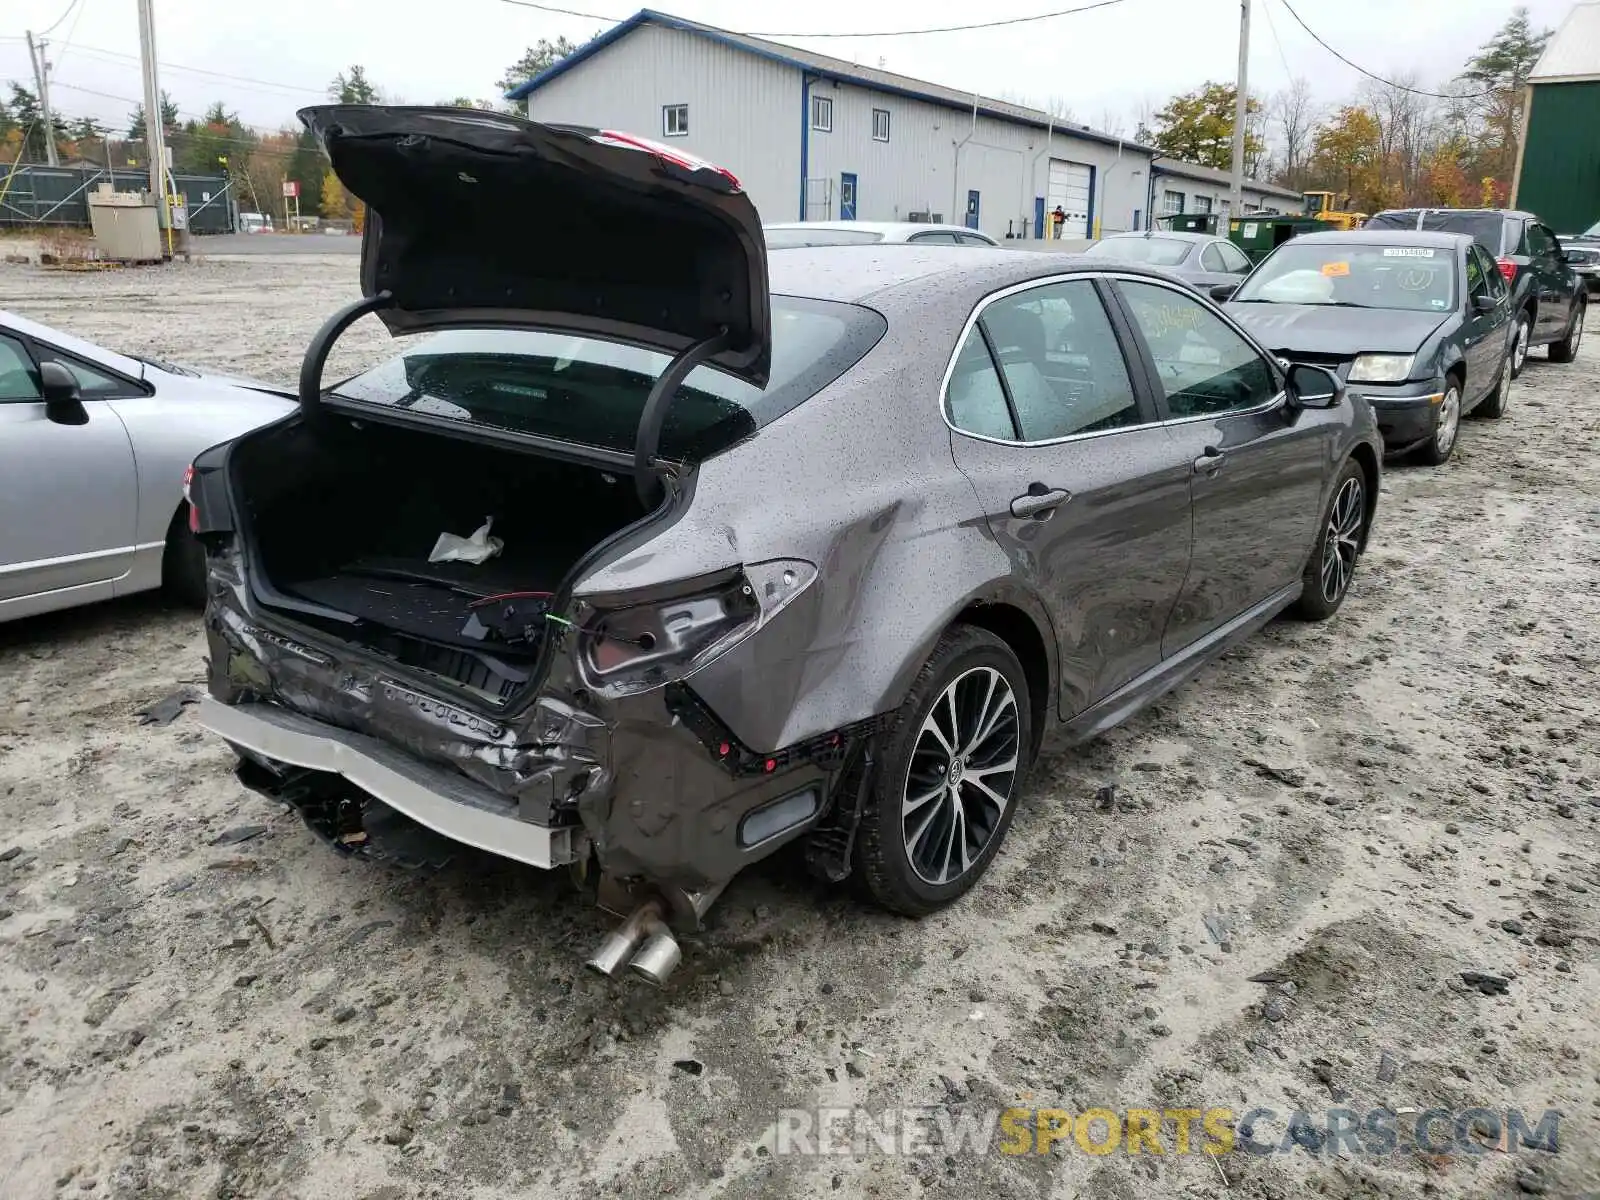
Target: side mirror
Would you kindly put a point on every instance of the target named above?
(1224, 291)
(1314, 387)
(63, 403)
(1485, 304)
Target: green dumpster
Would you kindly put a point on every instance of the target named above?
(1259, 236)
(1189, 222)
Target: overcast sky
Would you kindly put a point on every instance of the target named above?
(268, 59)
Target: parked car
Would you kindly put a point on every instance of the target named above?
(1419, 323)
(690, 562)
(786, 235)
(1199, 259)
(1547, 297)
(1582, 251)
(93, 446)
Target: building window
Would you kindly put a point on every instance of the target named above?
(675, 120)
(822, 114)
(1171, 202)
(880, 124)
(1202, 204)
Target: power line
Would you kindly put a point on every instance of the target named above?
(1272, 28)
(877, 33)
(61, 18)
(1379, 78)
(265, 83)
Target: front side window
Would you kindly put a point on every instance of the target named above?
(92, 384)
(880, 124)
(17, 378)
(675, 120)
(1206, 368)
(1387, 274)
(822, 114)
(1061, 370)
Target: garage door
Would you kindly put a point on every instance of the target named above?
(1069, 187)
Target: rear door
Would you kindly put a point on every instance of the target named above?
(1079, 484)
(1257, 468)
(1485, 332)
(69, 497)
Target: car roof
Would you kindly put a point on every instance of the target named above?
(1379, 237)
(1169, 234)
(856, 274)
(903, 227)
(1498, 212)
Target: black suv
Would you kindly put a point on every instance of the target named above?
(1547, 296)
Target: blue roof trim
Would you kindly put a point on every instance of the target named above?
(651, 17)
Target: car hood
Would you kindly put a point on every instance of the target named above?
(1325, 329)
(480, 219)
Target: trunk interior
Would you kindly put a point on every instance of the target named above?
(345, 516)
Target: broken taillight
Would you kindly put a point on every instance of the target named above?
(1507, 268)
(188, 498)
(677, 157)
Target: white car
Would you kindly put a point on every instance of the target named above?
(93, 450)
(848, 233)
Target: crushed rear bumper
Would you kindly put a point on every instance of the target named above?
(437, 798)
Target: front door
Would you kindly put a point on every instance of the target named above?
(1550, 278)
(1257, 483)
(69, 496)
(972, 210)
(847, 197)
(1484, 333)
(1080, 488)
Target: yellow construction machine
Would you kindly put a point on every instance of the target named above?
(1332, 208)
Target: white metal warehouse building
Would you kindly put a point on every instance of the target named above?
(818, 138)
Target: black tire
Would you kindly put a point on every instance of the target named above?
(1446, 433)
(1521, 341)
(1338, 534)
(1494, 405)
(1566, 349)
(183, 563)
(967, 659)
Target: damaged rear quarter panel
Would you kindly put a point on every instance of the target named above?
(859, 480)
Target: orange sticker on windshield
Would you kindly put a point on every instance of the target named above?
(1337, 268)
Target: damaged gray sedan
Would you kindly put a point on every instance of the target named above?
(656, 554)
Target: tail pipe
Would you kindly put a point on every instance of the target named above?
(642, 942)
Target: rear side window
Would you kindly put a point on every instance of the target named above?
(584, 390)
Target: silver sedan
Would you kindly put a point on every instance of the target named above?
(1199, 259)
(93, 450)
(850, 233)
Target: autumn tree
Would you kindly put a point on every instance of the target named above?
(1498, 78)
(217, 143)
(306, 166)
(1346, 153)
(1197, 127)
(170, 118)
(1293, 114)
(535, 60)
(27, 116)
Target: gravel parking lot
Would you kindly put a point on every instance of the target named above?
(199, 999)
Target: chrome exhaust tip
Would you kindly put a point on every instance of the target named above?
(620, 944)
(657, 958)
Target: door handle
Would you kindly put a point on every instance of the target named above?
(1039, 503)
(1210, 461)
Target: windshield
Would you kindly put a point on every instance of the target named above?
(779, 239)
(1157, 251)
(584, 390)
(1411, 278)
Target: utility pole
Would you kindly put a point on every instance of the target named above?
(154, 134)
(41, 80)
(1241, 111)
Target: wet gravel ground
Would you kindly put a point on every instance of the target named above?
(1306, 849)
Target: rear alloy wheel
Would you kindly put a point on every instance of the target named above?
(1519, 343)
(1566, 349)
(1446, 424)
(1332, 566)
(1494, 405)
(953, 766)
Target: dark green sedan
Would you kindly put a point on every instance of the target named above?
(1418, 323)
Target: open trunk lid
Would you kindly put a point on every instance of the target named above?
(485, 219)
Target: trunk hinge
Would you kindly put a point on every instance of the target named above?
(322, 342)
(654, 416)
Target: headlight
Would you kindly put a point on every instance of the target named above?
(633, 648)
(1381, 368)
